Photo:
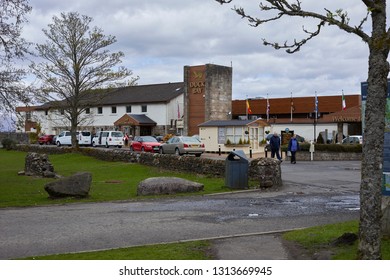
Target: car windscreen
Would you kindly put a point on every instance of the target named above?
(190, 140)
(117, 134)
(148, 139)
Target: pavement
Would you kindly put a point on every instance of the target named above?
(302, 177)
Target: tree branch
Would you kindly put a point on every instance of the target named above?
(338, 18)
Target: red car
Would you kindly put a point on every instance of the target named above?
(46, 139)
(145, 144)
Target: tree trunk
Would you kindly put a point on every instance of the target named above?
(386, 216)
(372, 162)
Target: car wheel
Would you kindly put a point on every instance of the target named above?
(119, 147)
(177, 152)
(58, 144)
(40, 143)
(198, 155)
(93, 144)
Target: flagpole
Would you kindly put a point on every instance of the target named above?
(291, 106)
(267, 108)
(246, 107)
(315, 117)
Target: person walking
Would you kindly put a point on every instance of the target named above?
(293, 147)
(275, 146)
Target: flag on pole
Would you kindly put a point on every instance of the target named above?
(316, 106)
(292, 107)
(268, 108)
(248, 108)
(343, 103)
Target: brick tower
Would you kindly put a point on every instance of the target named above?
(207, 95)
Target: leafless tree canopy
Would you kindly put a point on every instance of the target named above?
(284, 8)
(12, 48)
(76, 60)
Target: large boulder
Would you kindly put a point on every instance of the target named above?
(38, 165)
(267, 171)
(167, 185)
(77, 185)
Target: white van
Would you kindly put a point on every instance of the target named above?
(83, 138)
(108, 138)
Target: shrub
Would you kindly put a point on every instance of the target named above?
(33, 137)
(8, 143)
(320, 139)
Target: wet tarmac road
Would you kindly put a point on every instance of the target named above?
(96, 226)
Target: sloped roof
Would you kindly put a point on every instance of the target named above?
(135, 119)
(353, 114)
(155, 93)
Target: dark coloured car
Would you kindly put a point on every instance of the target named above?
(46, 139)
(145, 144)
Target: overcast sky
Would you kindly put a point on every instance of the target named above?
(159, 37)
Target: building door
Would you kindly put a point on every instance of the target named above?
(254, 138)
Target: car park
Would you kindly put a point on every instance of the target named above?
(46, 139)
(108, 139)
(180, 145)
(145, 144)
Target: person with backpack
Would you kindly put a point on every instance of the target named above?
(293, 147)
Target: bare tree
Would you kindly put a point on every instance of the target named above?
(76, 61)
(12, 47)
(378, 69)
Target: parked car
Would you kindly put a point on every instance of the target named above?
(84, 138)
(353, 139)
(108, 138)
(145, 144)
(180, 145)
(46, 139)
(64, 138)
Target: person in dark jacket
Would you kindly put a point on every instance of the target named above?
(274, 142)
(293, 147)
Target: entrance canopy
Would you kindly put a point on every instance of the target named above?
(134, 120)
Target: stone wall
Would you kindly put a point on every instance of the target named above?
(326, 156)
(16, 136)
(264, 169)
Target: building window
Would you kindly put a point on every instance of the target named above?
(100, 110)
(144, 108)
(88, 110)
(234, 134)
(113, 110)
(128, 109)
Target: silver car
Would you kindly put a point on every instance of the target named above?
(180, 145)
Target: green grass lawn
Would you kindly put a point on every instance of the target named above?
(118, 181)
(110, 180)
(319, 238)
(194, 250)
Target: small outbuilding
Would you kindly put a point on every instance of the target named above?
(229, 135)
